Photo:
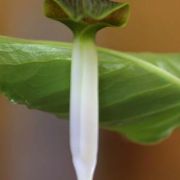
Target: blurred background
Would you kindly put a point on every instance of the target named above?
(34, 145)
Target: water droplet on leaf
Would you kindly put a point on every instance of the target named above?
(13, 101)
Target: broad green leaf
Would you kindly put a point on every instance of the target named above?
(139, 93)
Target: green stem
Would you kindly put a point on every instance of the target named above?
(84, 108)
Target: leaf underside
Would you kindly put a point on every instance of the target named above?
(83, 13)
(139, 93)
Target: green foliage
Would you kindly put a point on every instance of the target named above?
(139, 93)
(87, 14)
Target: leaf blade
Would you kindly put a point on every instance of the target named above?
(139, 93)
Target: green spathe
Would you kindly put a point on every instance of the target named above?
(139, 93)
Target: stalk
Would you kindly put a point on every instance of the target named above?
(85, 18)
(84, 108)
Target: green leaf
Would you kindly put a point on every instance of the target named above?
(139, 93)
(94, 14)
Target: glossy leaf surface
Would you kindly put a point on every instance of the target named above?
(139, 93)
